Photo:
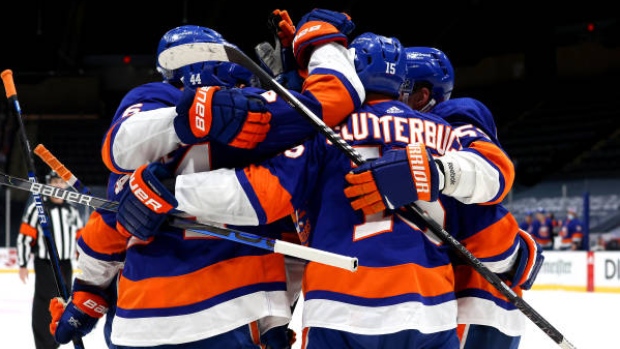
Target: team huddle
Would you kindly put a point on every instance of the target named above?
(209, 142)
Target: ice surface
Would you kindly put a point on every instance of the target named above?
(587, 320)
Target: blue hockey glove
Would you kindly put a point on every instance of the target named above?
(230, 116)
(78, 317)
(398, 178)
(144, 206)
(528, 264)
(319, 27)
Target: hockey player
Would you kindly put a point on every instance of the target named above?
(340, 307)
(527, 222)
(210, 292)
(402, 292)
(542, 229)
(571, 231)
(486, 318)
(98, 277)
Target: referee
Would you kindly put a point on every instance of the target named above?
(64, 224)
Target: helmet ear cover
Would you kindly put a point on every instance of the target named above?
(379, 62)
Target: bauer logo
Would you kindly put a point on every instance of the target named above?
(48, 190)
(152, 203)
(199, 127)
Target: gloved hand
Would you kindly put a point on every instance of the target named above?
(528, 263)
(145, 204)
(273, 58)
(398, 178)
(230, 116)
(78, 317)
(281, 24)
(319, 27)
(279, 60)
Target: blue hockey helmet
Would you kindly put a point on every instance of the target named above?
(201, 73)
(379, 62)
(216, 74)
(430, 65)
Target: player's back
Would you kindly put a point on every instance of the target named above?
(200, 279)
(401, 271)
(223, 275)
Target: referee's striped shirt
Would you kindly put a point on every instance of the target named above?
(64, 222)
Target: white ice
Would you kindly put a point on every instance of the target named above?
(587, 320)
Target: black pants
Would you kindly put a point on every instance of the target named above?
(45, 288)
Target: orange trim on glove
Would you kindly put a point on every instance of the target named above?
(364, 189)
(254, 130)
(420, 171)
(56, 308)
(89, 303)
(146, 195)
(287, 28)
(200, 111)
(310, 31)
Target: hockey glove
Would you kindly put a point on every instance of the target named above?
(319, 27)
(398, 178)
(144, 206)
(78, 317)
(230, 116)
(279, 60)
(528, 263)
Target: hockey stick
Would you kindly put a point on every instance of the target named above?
(265, 243)
(178, 56)
(279, 246)
(51, 161)
(61, 285)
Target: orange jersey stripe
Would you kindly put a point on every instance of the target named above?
(274, 199)
(495, 239)
(255, 332)
(203, 284)
(468, 278)
(380, 282)
(106, 153)
(495, 155)
(102, 238)
(460, 330)
(329, 90)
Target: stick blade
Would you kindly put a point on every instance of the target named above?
(182, 55)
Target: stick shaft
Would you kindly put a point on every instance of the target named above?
(274, 245)
(61, 284)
